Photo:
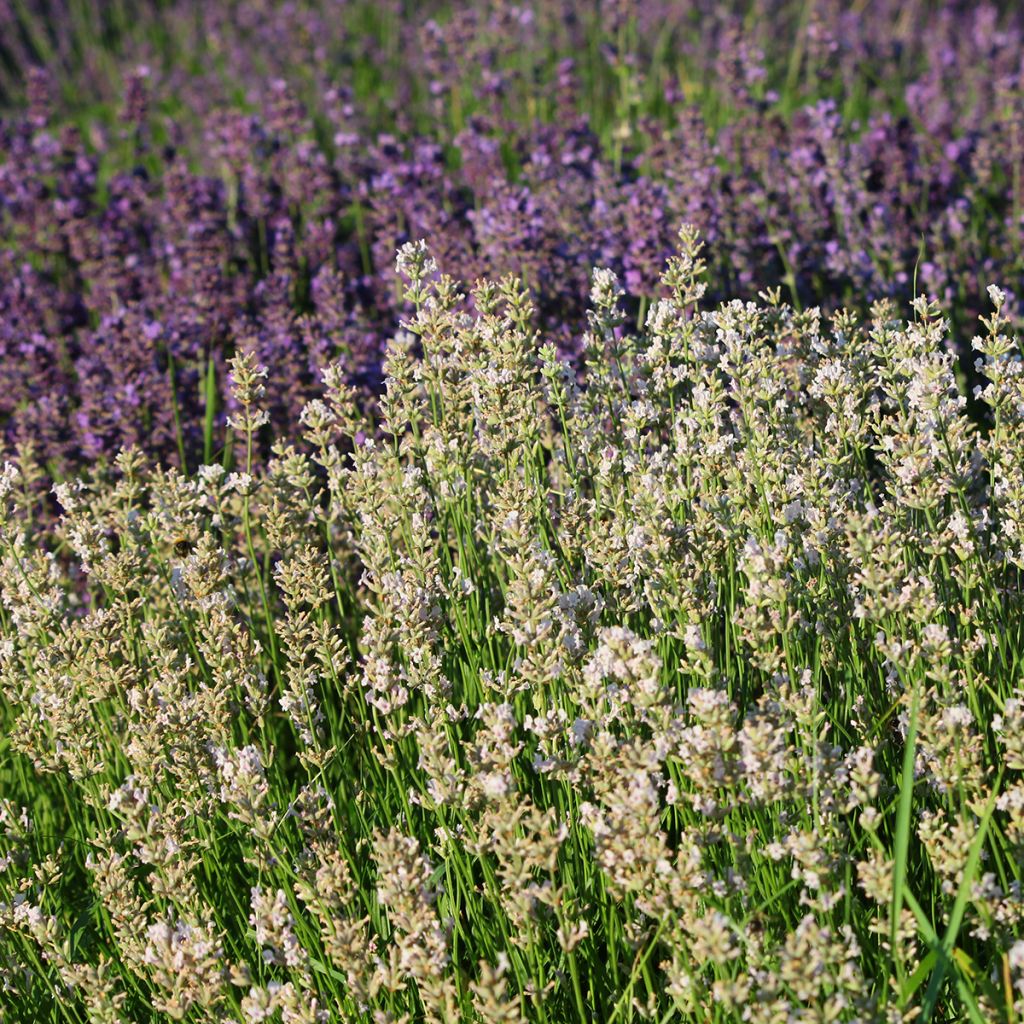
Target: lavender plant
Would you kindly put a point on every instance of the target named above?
(209, 179)
(685, 688)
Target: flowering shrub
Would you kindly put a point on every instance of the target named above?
(684, 689)
(255, 166)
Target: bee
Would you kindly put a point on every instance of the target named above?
(182, 545)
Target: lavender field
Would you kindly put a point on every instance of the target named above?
(511, 512)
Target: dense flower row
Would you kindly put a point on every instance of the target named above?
(882, 155)
(686, 690)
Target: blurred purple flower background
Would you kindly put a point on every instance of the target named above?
(239, 176)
